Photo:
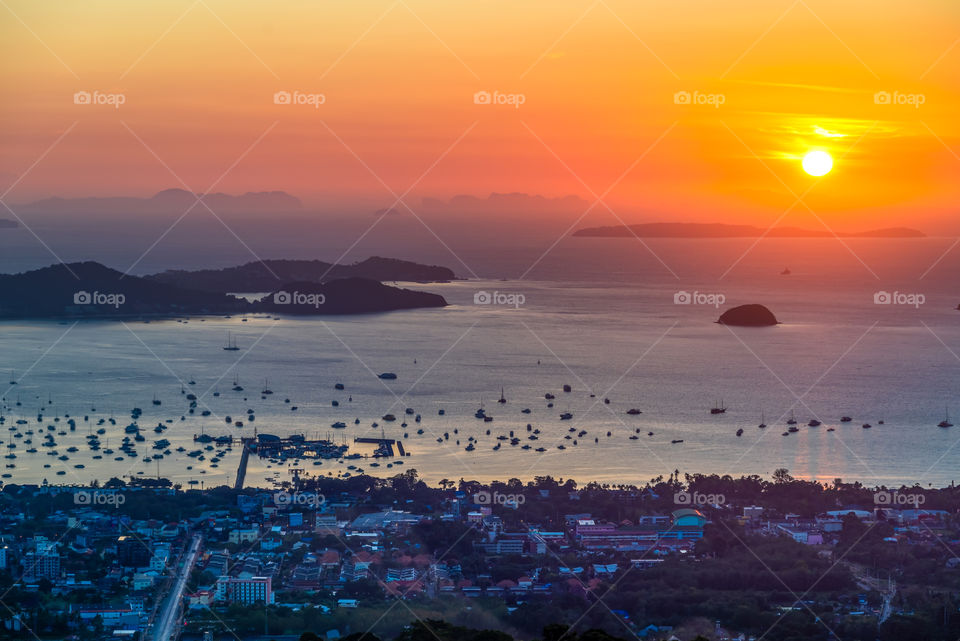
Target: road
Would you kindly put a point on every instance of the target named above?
(166, 628)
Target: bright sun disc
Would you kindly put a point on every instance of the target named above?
(817, 163)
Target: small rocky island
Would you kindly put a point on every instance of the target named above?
(748, 316)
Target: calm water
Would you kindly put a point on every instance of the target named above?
(598, 315)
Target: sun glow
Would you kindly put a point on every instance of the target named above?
(817, 163)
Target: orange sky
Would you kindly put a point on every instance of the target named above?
(598, 81)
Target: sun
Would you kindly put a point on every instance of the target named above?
(817, 163)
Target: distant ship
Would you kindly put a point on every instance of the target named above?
(718, 409)
(231, 345)
(786, 271)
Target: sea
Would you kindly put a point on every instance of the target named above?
(869, 329)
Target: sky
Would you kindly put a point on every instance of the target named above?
(681, 110)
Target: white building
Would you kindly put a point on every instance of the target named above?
(253, 590)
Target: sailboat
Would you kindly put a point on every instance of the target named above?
(236, 383)
(763, 423)
(266, 388)
(231, 345)
(792, 420)
(719, 409)
(502, 397)
(946, 421)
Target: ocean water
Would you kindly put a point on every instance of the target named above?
(596, 314)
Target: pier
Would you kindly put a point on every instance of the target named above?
(242, 468)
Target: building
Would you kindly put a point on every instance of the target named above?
(243, 536)
(678, 531)
(42, 566)
(249, 591)
(3, 557)
(132, 552)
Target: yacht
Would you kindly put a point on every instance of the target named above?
(231, 345)
(946, 421)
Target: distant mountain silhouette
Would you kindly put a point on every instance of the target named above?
(169, 200)
(721, 230)
(265, 276)
(501, 204)
(344, 296)
(91, 290)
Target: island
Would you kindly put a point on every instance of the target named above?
(722, 230)
(344, 296)
(91, 290)
(748, 316)
(264, 276)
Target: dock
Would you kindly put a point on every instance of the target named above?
(384, 446)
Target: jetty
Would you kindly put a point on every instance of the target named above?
(242, 468)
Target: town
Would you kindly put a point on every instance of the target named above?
(692, 557)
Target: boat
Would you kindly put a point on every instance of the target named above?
(946, 421)
(634, 411)
(567, 388)
(866, 426)
(237, 387)
(502, 398)
(339, 425)
(566, 416)
(156, 401)
(791, 420)
(814, 423)
(718, 409)
(740, 432)
(231, 345)
(793, 428)
(785, 272)
(763, 422)
(845, 419)
(677, 440)
(338, 386)
(389, 417)
(266, 388)
(388, 376)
